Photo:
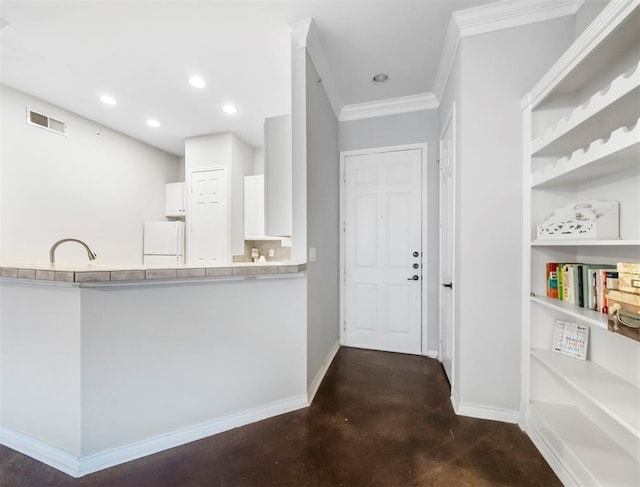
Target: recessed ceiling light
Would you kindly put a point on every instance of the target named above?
(153, 123)
(380, 78)
(229, 108)
(108, 100)
(197, 82)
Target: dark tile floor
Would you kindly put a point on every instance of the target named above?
(379, 419)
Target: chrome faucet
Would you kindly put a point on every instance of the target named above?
(52, 252)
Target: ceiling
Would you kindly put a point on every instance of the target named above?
(143, 53)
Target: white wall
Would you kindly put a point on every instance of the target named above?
(258, 160)
(94, 184)
(409, 128)
(323, 225)
(207, 151)
(241, 166)
(161, 358)
(492, 73)
(40, 363)
(93, 369)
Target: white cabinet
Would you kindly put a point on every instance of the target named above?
(175, 201)
(582, 142)
(278, 176)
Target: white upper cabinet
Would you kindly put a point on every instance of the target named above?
(175, 201)
(582, 143)
(278, 176)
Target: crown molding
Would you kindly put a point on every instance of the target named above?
(300, 31)
(304, 33)
(390, 106)
(511, 13)
(447, 57)
(491, 18)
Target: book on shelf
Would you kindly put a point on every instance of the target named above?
(584, 285)
(604, 277)
(552, 279)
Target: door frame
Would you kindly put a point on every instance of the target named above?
(424, 322)
(449, 121)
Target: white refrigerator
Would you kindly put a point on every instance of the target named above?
(163, 243)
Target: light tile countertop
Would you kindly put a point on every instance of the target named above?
(92, 273)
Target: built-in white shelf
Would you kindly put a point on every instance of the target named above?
(577, 129)
(587, 453)
(586, 316)
(620, 151)
(618, 398)
(585, 243)
(588, 428)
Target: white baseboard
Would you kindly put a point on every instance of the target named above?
(317, 380)
(80, 466)
(50, 455)
(485, 412)
(431, 354)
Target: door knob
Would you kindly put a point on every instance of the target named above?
(416, 265)
(449, 285)
(415, 277)
(416, 254)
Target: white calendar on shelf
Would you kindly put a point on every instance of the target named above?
(571, 339)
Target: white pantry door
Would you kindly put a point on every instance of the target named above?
(447, 201)
(208, 217)
(383, 251)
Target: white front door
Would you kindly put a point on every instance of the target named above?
(383, 251)
(208, 238)
(447, 201)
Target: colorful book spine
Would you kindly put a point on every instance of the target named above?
(552, 279)
(560, 283)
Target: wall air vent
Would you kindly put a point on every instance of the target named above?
(44, 121)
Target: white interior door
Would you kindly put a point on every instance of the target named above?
(208, 217)
(447, 207)
(382, 244)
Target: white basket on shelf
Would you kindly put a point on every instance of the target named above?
(593, 219)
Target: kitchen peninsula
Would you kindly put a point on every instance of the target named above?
(102, 365)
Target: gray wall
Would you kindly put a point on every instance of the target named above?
(322, 224)
(495, 70)
(409, 128)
